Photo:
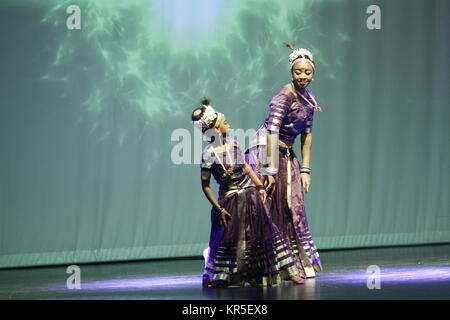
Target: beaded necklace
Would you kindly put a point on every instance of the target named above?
(227, 171)
(312, 105)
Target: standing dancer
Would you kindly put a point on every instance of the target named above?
(245, 246)
(272, 158)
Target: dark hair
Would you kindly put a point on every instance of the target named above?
(290, 46)
(198, 113)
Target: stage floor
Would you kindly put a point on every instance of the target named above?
(419, 272)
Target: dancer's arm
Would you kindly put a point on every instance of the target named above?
(306, 145)
(272, 148)
(255, 180)
(206, 177)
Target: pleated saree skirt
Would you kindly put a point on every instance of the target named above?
(251, 249)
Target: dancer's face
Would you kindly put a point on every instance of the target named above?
(221, 124)
(302, 74)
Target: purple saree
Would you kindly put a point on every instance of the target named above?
(250, 249)
(289, 116)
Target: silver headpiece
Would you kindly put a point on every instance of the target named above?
(208, 117)
(301, 54)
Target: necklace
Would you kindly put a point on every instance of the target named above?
(315, 106)
(227, 171)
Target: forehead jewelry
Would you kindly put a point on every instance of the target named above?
(302, 54)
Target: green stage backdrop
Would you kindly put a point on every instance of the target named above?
(87, 115)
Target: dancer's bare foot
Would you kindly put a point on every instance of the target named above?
(298, 280)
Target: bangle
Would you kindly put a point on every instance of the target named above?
(270, 171)
(305, 169)
(219, 211)
(260, 187)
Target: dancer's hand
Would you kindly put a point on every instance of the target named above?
(224, 215)
(318, 108)
(263, 195)
(269, 183)
(306, 181)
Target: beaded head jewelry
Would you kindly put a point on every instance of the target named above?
(208, 117)
(302, 54)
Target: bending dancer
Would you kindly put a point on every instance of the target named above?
(272, 158)
(245, 246)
